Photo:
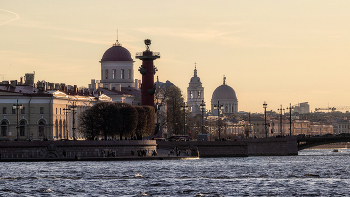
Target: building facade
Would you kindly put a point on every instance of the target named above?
(29, 113)
(195, 94)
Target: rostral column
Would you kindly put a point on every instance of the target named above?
(147, 70)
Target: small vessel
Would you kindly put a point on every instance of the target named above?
(335, 150)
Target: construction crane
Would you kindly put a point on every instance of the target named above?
(333, 108)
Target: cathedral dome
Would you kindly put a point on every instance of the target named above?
(224, 92)
(116, 53)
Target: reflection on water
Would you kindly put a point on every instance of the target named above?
(312, 173)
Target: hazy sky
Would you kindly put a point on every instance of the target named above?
(280, 52)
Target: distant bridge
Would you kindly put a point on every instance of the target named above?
(308, 142)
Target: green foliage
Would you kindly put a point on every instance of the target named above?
(127, 119)
(142, 122)
(175, 115)
(87, 122)
(111, 119)
(150, 120)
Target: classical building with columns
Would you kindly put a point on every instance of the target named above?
(195, 94)
(43, 111)
(226, 97)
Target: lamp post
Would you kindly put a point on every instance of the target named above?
(265, 106)
(183, 107)
(67, 110)
(218, 107)
(281, 127)
(290, 118)
(16, 107)
(74, 105)
(202, 106)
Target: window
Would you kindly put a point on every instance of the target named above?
(4, 128)
(129, 73)
(60, 131)
(4, 111)
(114, 74)
(106, 74)
(23, 110)
(56, 128)
(41, 128)
(41, 110)
(22, 128)
(56, 110)
(191, 96)
(60, 110)
(13, 110)
(122, 73)
(199, 94)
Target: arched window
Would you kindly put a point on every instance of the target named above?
(60, 131)
(22, 128)
(4, 126)
(41, 128)
(64, 130)
(226, 109)
(56, 128)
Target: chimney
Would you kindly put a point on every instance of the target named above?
(13, 83)
(75, 89)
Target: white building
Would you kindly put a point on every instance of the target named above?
(117, 76)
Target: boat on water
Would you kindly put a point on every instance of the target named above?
(335, 150)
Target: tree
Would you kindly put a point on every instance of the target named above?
(142, 122)
(174, 100)
(150, 120)
(88, 124)
(127, 119)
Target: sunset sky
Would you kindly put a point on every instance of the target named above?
(280, 52)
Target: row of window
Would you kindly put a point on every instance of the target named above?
(22, 128)
(114, 74)
(22, 110)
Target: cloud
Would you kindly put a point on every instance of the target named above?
(195, 34)
(13, 19)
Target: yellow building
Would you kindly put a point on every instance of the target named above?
(28, 113)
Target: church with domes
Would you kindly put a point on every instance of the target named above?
(226, 97)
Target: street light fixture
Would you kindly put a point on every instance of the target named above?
(265, 106)
(218, 107)
(17, 107)
(183, 107)
(290, 118)
(68, 109)
(281, 127)
(202, 106)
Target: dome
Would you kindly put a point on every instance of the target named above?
(116, 53)
(224, 92)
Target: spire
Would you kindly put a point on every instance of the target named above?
(117, 42)
(195, 69)
(224, 80)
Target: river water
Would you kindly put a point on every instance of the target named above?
(311, 173)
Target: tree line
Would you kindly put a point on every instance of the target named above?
(117, 119)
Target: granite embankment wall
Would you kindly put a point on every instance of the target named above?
(250, 147)
(74, 149)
